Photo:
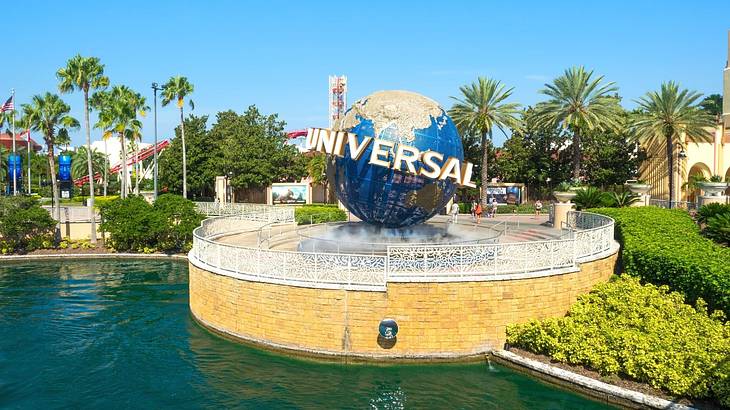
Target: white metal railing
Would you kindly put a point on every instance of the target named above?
(591, 236)
(663, 203)
(236, 208)
(592, 233)
(73, 213)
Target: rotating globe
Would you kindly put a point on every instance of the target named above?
(385, 196)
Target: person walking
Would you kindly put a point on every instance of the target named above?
(538, 208)
(473, 210)
(455, 212)
(478, 212)
(493, 207)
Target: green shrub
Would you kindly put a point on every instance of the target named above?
(718, 228)
(707, 211)
(135, 225)
(182, 217)
(665, 247)
(622, 199)
(591, 198)
(644, 332)
(316, 214)
(24, 225)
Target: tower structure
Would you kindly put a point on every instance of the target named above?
(726, 87)
(337, 98)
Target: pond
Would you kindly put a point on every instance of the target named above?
(118, 334)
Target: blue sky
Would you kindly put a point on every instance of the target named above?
(278, 54)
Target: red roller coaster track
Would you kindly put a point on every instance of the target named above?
(131, 159)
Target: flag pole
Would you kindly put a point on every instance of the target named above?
(15, 158)
(28, 142)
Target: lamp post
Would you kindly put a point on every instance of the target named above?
(155, 88)
(680, 156)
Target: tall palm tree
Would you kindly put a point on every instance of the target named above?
(480, 109)
(49, 115)
(101, 101)
(579, 102)
(118, 115)
(177, 88)
(84, 73)
(666, 115)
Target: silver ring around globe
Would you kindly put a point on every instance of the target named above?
(389, 197)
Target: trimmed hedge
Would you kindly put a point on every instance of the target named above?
(644, 332)
(24, 225)
(665, 247)
(526, 208)
(318, 213)
(135, 225)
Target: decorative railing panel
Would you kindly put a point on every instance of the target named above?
(591, 235)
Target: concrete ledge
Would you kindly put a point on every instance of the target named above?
(595, 388)
(93, 256)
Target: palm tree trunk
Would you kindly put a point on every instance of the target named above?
(185, 162)
(576, 153)
(124, 165)
(54, 185)
(485, 168)
(106, 167)
(670, 162)
(136, 167)
(91, 169)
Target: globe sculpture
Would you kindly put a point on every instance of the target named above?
(387, 197)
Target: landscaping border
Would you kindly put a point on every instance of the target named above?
(594, 388)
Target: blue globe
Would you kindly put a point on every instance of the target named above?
(388, 197)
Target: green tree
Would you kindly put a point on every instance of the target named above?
(118, 114)
(712, 104)
(84, 74)
(177, 88)
(255, 152)
(317, 172)
(610, 157)
(78, 165)
(665, 115)
(204, 155)
(49, 115)
(579, 102)
(480, 109)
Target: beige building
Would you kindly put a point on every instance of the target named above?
(692, 157)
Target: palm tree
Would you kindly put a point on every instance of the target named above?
(665, 116)
(118, 115)
(101, 101)
(177, 88)
(48, 114)
(78, 165)
(579, 102)
(481, 109)
(84, 73)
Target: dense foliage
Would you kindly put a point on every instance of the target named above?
(250, 148)
(718, 228)
(644, 332)
(24, 225)
(135, 225)
(317, 214)
(665, 247)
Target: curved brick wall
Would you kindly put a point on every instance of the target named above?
(436, 320)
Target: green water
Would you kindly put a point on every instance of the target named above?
(118, 334)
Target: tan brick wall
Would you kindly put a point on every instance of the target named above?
(434, 319)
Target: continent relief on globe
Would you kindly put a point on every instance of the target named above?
(395, 117)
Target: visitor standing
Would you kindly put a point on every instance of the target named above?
(455, 212)
(538, 208)
(493, 207)
(478, 212)
(473, 209)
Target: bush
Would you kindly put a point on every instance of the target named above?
(708, 211)
(591, 198)
(24, 225)
(181, 217)
(317, 214)
(640, 331)
(135, 225)
(622, 199)
(665, 247)
(718, 228)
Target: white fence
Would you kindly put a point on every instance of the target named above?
(236, 208)
(73, 213)
(592, 236)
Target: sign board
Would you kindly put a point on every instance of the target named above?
(289, 194)
(388, 329)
